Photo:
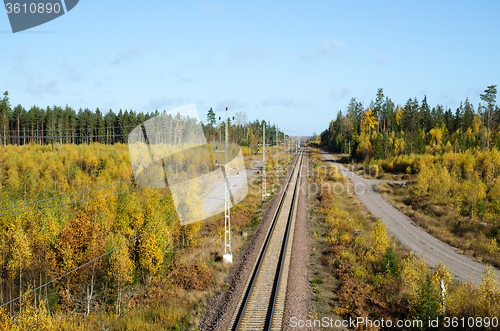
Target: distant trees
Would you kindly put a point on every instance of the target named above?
(241, 131)
(56, 125)
(413, 128)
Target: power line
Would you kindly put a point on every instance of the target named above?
(73, 202)
(105, 254)
(178, 303)
(101, 256)
(85, 128)
(163, 283)
(71, 129)
(97, 136)
(97, 188)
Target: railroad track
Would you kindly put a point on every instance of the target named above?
(263, 301)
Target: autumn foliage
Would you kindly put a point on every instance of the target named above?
(43, 243)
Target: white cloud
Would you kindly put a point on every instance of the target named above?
(39, 87)
(381, 59)
(210, 8)
(281, 102)
(22, 53)
(71, 72)
(337, 94)
(125, 55)
(328, 48)
(331, 47)
(474, 91)
(232, 104)
(243, 53)
(163, 103)
(306, 56)
(187, 80)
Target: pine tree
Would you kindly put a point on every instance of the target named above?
(5, 115)
(489, 97)
(377, 107)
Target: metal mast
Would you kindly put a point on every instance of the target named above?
(277, 158)
(264, 161)
(228, 255)
(264, 192)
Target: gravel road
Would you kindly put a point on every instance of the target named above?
(408, 233)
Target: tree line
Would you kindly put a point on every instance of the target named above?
(65, 125)
(385, 129)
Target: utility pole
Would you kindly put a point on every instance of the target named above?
(228, 255)
(264, 161)
(285, 149)
(277, 158)
(264, 193)
(289, 147)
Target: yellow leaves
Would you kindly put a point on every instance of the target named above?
(358, 271)
(413, 271)
(334, 173)
(252, 139)
(488, 295)
(443, 273)
(365, 148)
(150, 255)
(424, 179)
(369, 120)
(5, 321)
(471, 192)
(339, 221)
(495, 191)
(342, 310)
(491, 246)
(21, 253)
(468, 300)
(436, 141)
(247, 151)
(491, 165)
(121, 264)
(398, 145)
(448, 148)
(477, 124)
(436, 135)
(399, 115)
(460, 302)
(378, 238)
(468, 132)
(33, 316)
(345, 238)
(441, 181)
(469, 164)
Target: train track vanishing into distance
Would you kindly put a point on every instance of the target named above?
(263, 300)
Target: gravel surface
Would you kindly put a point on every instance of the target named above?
(409, 234)
(298, 295)
(218, 315)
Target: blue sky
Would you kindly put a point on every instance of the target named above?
(295, 64)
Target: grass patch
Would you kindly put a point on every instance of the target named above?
(316, 281)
